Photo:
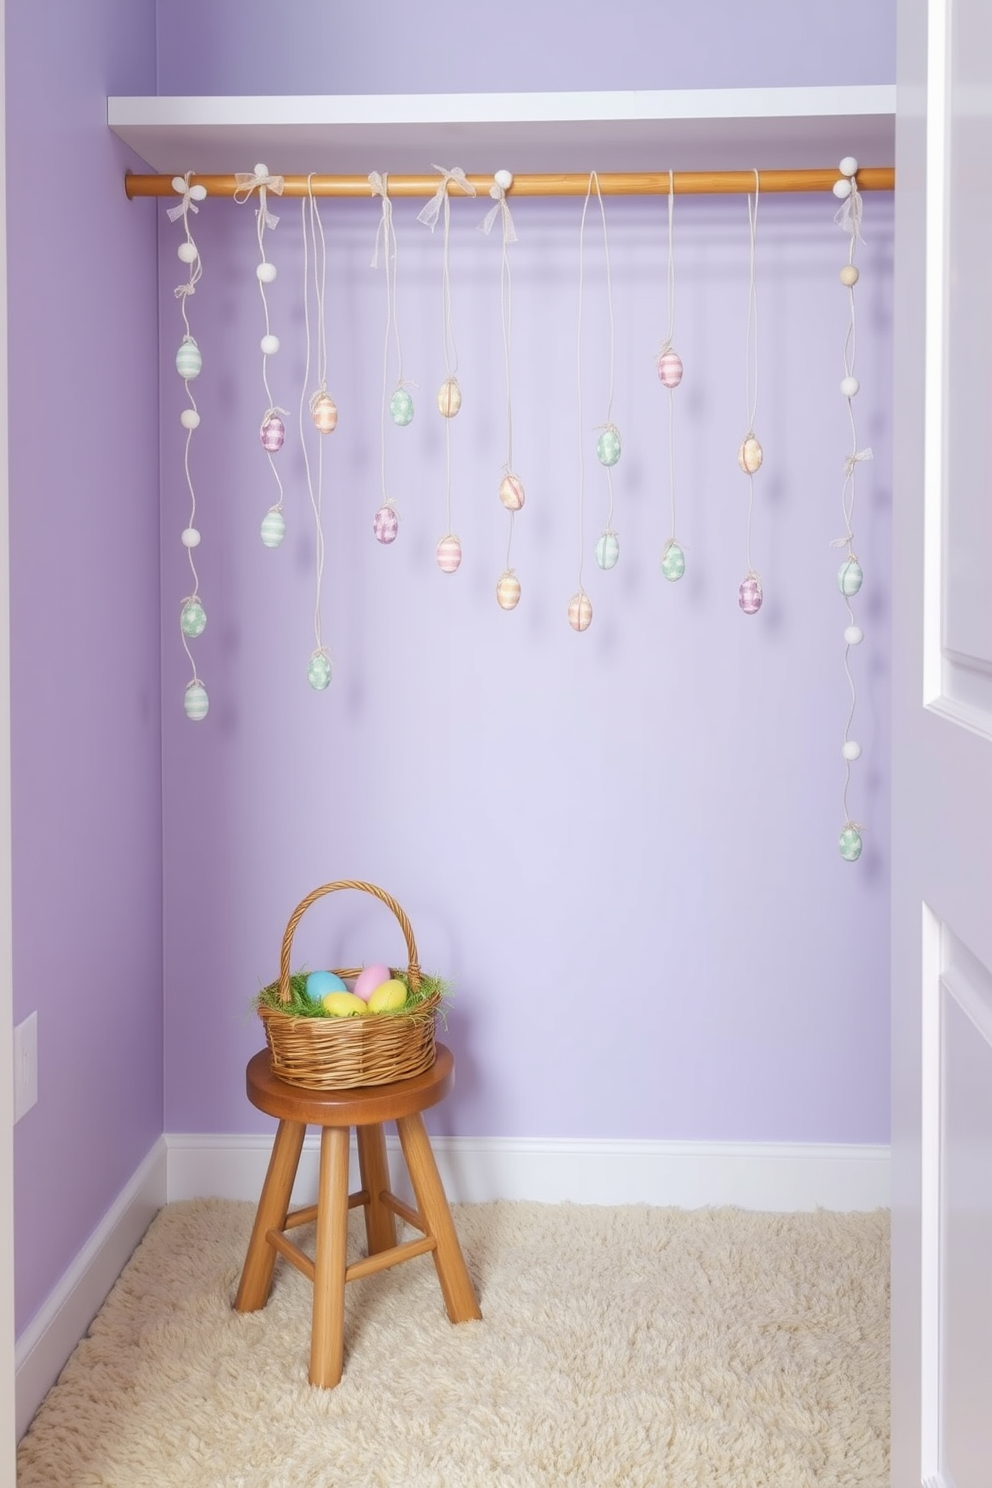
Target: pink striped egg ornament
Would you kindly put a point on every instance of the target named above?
(669, 365)
(511, 492)
(580, 611)
(449, 553)
(508, 590)
(749, 596)
(272, 433)
(324, 412)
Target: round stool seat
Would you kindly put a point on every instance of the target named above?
(358, 1105)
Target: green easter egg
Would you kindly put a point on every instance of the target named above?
(850, 844)
(673, 562)
(608, 447)
(319, 672)
(193, 618)
(608, 550)
(849, 577)
(401, 407)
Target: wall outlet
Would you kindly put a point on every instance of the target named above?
(25, 1066)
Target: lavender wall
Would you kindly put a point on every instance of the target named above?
(84, 625)
(228, 46)
(620, 846)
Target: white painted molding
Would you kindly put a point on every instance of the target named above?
(777, 1177)
(70, 1307)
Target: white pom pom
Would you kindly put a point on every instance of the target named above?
(842, 188)
(504, 178)
(189, 418)
(848, 166)
(191, 538)
(197, 192)
(187, 252)
(178, 184)
(269, 345)
(854, 635)
(265, 272)
(851, 750)
(261, 171)
(849, 387)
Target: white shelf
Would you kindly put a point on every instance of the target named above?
(698, 129)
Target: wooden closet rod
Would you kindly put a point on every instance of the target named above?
(635, 183)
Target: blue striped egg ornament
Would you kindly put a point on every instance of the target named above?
(193, 618)
(673, 561)
(850, 844)
(195, 701)
(608, 446)
(273, 528)
(319, 671)
(401, 407)
(849, 577)
(189, 362)
(608, 550)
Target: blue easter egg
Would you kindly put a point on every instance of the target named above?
(319, 983)
(273, 528)
(849, 577)
(608, 550)
(195, 701)
(189, 362)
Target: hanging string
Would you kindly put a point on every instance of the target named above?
(511, 488)
(271, 429)
(750, 455)
(850, 576)
(449, 398)
(580, 605)
(608, 445)
(189, 362)
(319, 668)
(385, 523)
(669, 367)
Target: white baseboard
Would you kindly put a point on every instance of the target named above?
(57, 1327)
(772, 1176)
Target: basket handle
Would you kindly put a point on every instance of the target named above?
(413, 969)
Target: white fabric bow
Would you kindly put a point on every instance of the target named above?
(190, 196)
(429, 214)
(849, 215)
(501, 209)
(247, 182)
(853, 460)
(379, 185)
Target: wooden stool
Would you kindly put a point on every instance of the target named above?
(335, 1112)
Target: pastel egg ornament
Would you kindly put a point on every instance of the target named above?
(401, 408)
(608, 446)
(385, 524)
(449, 553)
(749, 595)
(850, 843)
(669, 365)
(449, 397)
(320, 983)
(850, 577)
(511, 492)
(324, 412)
(673, 561)
(192, 618)
(273, 528)
(608, 550)
(272, 433)
(508, 590)
(189, 362)
(580, 611)
(369, 978)
(319, 671)
(750, 455)
(195, 701)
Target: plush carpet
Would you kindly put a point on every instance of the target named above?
(649, 1348)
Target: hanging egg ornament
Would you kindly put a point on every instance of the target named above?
(319, 671)
(750, 455)
(608, 446)
(189, 362)
(511, 492)
(669, 365)
(449, 553)
(385, 524)
(401, 407)
(508, 590)
(449, 397)
(850, 843)
(192, 618)
(673, 561)
(749, 595)
(324, 412)
(272, 433)
(195, 701)
(608, 550)
(850, 577)
(273, 528)
(580, 611)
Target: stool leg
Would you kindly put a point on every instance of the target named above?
(373, 1164)
(273, 1206)
(327, 1332)
(456, 1285)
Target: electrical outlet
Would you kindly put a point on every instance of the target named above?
(25, 1065)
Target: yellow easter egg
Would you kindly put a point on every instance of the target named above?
(342, 1005)
(387, 998)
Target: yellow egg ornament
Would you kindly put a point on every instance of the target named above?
(342, 1005)
(387, 998)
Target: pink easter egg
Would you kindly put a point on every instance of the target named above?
(580, 611)
(749, 595)
(669, 366)
(373, 976)
(449, 553)
(385, 524)
(272, 433)
(511, 492)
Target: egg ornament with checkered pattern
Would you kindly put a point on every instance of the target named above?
(192, 618)
(850, 843)
(385, 524)
(401, 408)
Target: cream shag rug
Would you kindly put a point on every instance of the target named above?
(650, 1348)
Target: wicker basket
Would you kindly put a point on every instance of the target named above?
(337, 1053)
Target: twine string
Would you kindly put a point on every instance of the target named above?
(670, 279)
(183, 293)
(751, 353)
(849, 220)
(315, 259)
